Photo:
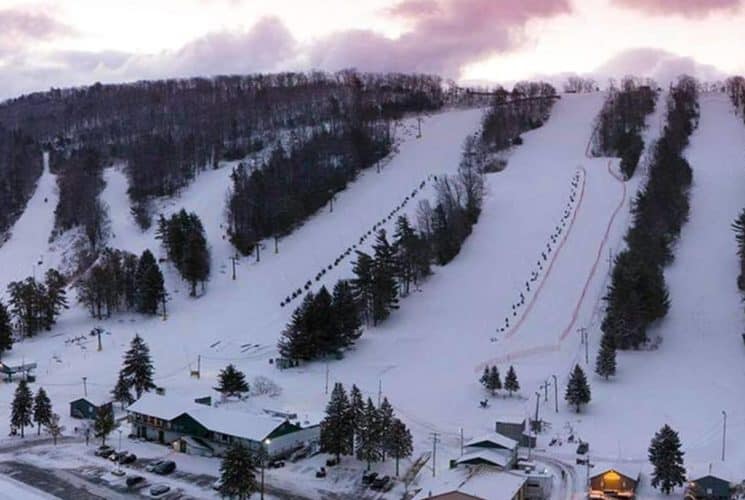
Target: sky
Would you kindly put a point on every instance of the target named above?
(59, 43)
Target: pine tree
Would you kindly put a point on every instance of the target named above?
(231, 382)
(54, 428)
(363, 286)
(385, 420)
(493, 380)
(356, 412)
(149, 289)
(399, 442)
(368, 448)
(6, 330)
(578, 390)
(121, 392)
(138, 367)
(667, 458)
(326, 337)
(196, 258)
(296, 341)
(237, 473)
(605, 365)
(511, 384)
(55, 299)
(346, 314)
(385, 288)
(484, 380)
(42, 409)
(104, 423)
(22, 407)
(336, 428)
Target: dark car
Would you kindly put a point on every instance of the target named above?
(369, 477)
(165, 468)
(115, 456)
(135, 481)
(127, 458)
(380, 483)
(330, 462)
(321, 473)
(104, 451)
(276, 464)
(159, 489)
(152, 465)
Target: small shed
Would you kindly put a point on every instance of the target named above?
(87, 407)
(515, 427)
(709, 482)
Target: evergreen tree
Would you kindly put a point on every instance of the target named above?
(578, 390)
(196, 258)
(138, 367)
(368, 448)
(55, 299)
(346, 314)
(237, 473)
(407, 247)
(22, 407)
(231, 382)
(385, 288)
(605, 365)
(322, 325)
(42, 409)
(511, 384)
(356, 412)
(121, 392)
(296, 341)
(484, 380)
(149, 289)
(385, 420)
(336, 428)
(739, 228)
(104, 423)
(493, 381)
(363, 285)
(6, 330)
(54, 428)
(667, 458)
(399, 442)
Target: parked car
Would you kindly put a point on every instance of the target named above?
(330, 462)
(135, 481)
(321, 472)
(152, 465)
(116, 455)
(127, 458)
(165, 468)
(159, 489)
(104, 451)
(369, 477)
(276, 464)
(380, 483)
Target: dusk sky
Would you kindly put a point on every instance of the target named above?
(61, 43)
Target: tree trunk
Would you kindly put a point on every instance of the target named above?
(396, 466)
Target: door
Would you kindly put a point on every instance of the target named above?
(161, 438)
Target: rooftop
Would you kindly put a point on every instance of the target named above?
(494, 438)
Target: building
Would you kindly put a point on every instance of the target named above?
(201, 429)
(709, 482)
(619, 481)
(88, 407)
(483, 485)
(515, 427)
(495, 450)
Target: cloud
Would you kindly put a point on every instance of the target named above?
(687, 8)
(19, 27)
(660, 65)
(445, 35)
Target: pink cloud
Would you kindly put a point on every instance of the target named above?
(682, 7)
(445, 35)
(17, 27)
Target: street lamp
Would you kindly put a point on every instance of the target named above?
(556, 394)
(262, 460)
(724, 432)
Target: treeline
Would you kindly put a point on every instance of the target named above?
(382, 278)
(183, 238)
(621, 121)
(119, 281)
(80, 181)
(35, 305)
(638, 294)
(291, 185)
(735, 87)
(527, 107)
(20, 168)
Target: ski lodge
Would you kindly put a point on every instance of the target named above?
(619, 481)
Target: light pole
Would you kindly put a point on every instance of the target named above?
(264, 455)
(556, 393)
(724, 432)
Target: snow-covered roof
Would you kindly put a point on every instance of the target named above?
(512, 419)
(716, 469)
(236, 423)
(94, 399)
(485, 484)
(629, 470)
(162, 406)
(494, 438)
(500, 458)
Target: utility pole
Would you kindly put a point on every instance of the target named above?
(584, 340)
(326, 390)
(535, 423)
(85, 387)
(419, 124)
(435, 440)
(380, 391)
(461, 441)
(163, 303)
(199, 366)
(331, 203)
(544, 386)
(276, 244)
(233, 259)
(258, 251)
(556, 393)
(98, 333)
(724, 433)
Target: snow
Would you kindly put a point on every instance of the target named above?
(427, 358)
(10, 489)
(494, 438)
